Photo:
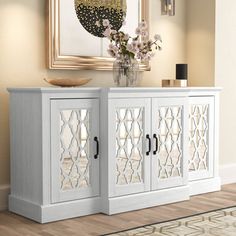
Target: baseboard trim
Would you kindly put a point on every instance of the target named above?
(54, 212)
(4, 192)
(205, 186)
(144, 200)
(228, 174)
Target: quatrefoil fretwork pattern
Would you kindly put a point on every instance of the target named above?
(74, 149)
(198, 134)
(170, 137)
(129, 147)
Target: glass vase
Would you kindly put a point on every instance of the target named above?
(126, 72)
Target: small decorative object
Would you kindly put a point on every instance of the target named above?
(174, 83)
(168, 7)
(125, 72)
(181, 77)
(68, 82)
(181, 71)
(91, 11)
(128, 52)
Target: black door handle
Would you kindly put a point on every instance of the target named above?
(97, 148)
(156, 150)
(149, 145)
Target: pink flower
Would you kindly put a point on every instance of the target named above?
(113, 32)
(144, 34)
(138, 31)
(143, 25)
(107, 32)
(122, 45)
(126, 37)
(111, 53)
(134, 44)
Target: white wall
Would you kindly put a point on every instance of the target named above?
(201, 42)
(173, 32)
(226, 77)
(23, 56)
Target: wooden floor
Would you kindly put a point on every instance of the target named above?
(13, 225)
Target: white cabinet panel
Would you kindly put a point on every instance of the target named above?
(201, 136)
(169, 166)
(129, 124)
(75, 168)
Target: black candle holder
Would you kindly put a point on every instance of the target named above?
(181, 71)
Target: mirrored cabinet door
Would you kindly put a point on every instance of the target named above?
(74, 153)
(129, 134)
(169, 167)
(200, 137)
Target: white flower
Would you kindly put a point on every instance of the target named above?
(106, 22)
(157, 37)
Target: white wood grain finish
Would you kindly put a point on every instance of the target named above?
(147, 199)
(205, 186)
(26, 146)
(32, 163)
(54, 212)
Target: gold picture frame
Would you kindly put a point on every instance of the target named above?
(76, 62)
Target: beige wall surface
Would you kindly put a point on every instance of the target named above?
(23, 56)
(201, 41)
(226, 76)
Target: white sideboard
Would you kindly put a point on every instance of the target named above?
(80, 151)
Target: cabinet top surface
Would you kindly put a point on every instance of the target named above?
(112, 89)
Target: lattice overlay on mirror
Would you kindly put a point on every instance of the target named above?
(129, 150)
(74, 149)
(198, 137)
(170, 138)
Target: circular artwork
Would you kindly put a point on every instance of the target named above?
(91, 13)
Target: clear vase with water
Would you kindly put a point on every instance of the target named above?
(126, 72)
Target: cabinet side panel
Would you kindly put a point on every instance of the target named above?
(26, 146)
(104, 160)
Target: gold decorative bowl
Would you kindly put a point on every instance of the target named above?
(68, 82)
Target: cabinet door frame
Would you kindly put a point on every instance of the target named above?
(114, 190)
(57, 195)
(173, 181)
(209, 173)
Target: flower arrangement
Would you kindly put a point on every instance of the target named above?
(122, 45)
